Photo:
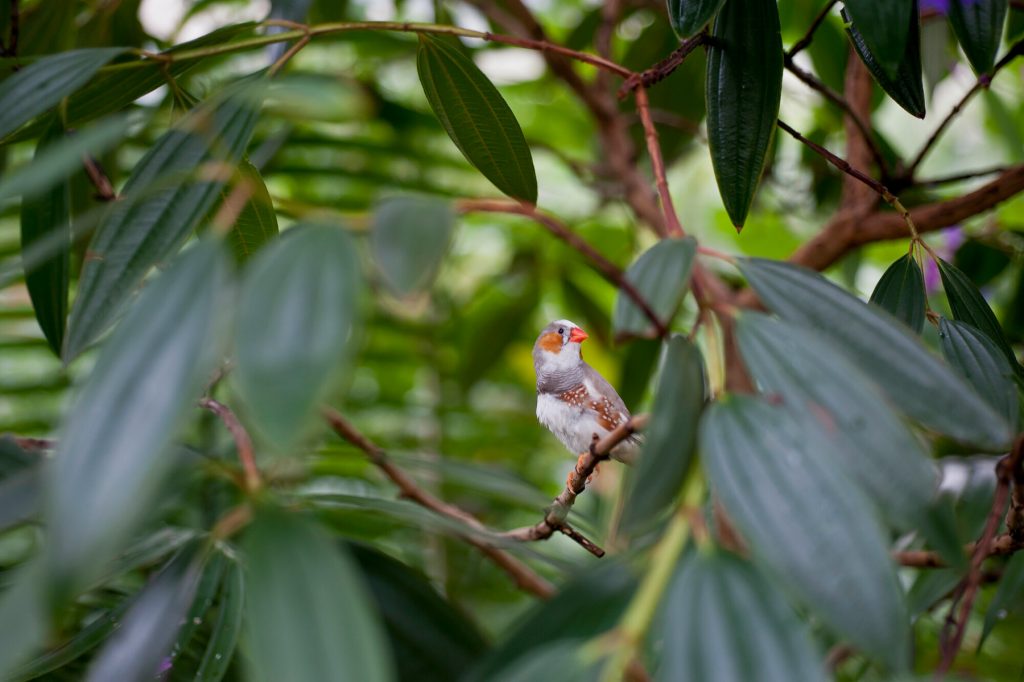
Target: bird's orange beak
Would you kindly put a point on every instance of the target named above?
(577, 335)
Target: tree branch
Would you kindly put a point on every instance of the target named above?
(664, 68)
(657, 163)
(243, 443)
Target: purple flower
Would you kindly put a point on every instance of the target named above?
(952, 238)
(940, 6)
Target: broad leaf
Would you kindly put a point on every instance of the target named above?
(723, 620)
(220, 648)
(42, 84)
(743, 91)
(409, 238)
(257, 223)
(23, 618)
(882, 25)
(308, 617)
(163, 202)
(295, 316)
(671, 438)
(476, 117)
(660, 275)
(113, 452)
(982, 364)
(886, 351)
(690, 16)
(779, 479)
(978, 25)
(901, 291)
(1008, 596)
(968, 305)
(20, 497)
(903, 81)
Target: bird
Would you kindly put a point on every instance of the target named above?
(573, 400)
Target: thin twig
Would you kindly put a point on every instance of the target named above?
(15, 29)
(26, 443)
(1001, 545)
(657, 163)
(289, 53)
(960, 177)
(98, 178)
(809, 36)
(523, 575)
(665, 67)
(243, 443)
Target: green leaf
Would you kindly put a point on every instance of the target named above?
(925, 388)
(113, 452)
(476, 117)
(409, 238)
(661, 275)
(968, 305)
(147, 632)
(42, 84)
(430, 637)
(690, 16)
(296, 313)
(878, 450)
(903, 81)
(901, 292)
(671, 439)
(257, 223)
(723, 620)
(564, 655)
(982, 364)
(162, 204)
(778, 479)
(23, 619)
(743, 91)
(20, 497)
(308, 617)
(205, 591)
(882, 29)
(1007, 596)
(978, 25)
(220, 648)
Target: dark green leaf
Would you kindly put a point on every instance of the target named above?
(1007, 597)
(929, 587)
(882, 27)
(778, 477)
(113, 452)
(902, 82)
(886, 351)
(153, 219)
(564, 655)
(877, 448)
(42, 84)
(978, 25)
(296, 314)
(23, 618)
(221, 646)
(308, 617)
(968, 305)
(723, 620)
(981, 260)
(145, 636)
(430, 637)
(20, 497)
(476, 117)
(982, 364)
(901, 292)
(661, 275)
(671, 439)
(744, 87)
(205, 591)
(690, 16)
(257, 223)
(409, 237)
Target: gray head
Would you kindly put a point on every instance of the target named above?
(556, 356)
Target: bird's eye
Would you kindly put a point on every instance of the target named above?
(561, 330)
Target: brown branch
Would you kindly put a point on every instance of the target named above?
(1015, 515)
(983, 82)
(523, 575)
(1001, 545)
(33, 444)
(960, 177)
(15, 20)
(243, 443)
(809, 36)
(665, 67)
(608, 270)
(657, 163)
(98, 178)
(555, 515)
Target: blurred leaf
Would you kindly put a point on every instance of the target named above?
(744, 87)
(430, 637)
(42, 84)
(296, 314)
(1015, 24)
(982, 364)
(308, 618)
(902, 82)
(779, 481)
(981, 262)
(968, 305)
(638, 365)
(113, 452)
(829, 53)
(661, 275)
(1005, 123)
(23, 622)
(153, 219)
(409, 239)
(204, 592)
(220, 648)
(257, 223)
(20, 497)
(887, 352)
(671, 439)
(1007, 597)
(978, 25)
(879, 451)
(723, 620)
(563, 655)
(144, 638)
(929, 587)
(901, 291)
(881, 25)
(690, 16)
(476, 117)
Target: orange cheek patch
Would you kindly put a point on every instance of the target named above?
(551, 342)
